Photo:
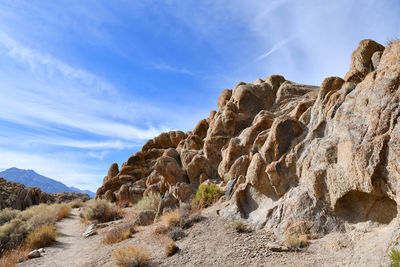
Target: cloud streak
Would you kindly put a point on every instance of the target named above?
(276, 47)
(166, 67)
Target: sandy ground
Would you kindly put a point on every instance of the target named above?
(212, 242)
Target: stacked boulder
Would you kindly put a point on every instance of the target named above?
(290, 155)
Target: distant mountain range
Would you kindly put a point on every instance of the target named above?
(32, 179)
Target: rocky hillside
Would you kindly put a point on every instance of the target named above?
(288, 155)
(17, 196)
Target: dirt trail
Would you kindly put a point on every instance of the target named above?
(212, 242)
(71, 249)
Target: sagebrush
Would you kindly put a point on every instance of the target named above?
(101, 210)
(149, 202)
(76, 203)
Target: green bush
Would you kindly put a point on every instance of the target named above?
(149, 202)
(206, 195)
(101, 210)
(395, 257)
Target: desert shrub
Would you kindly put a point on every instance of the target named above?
(42, 236)
(11, 257)
(149, 202)
(39, 215)
(170, 247)
(12, 233)
(240, 227)
(63, 212)
(117, 235)
(206, 195)
(170, 219)
(131, 256)
(101, 210)
(32, 223)
(76, 203)
(160, 230)
(296, 240)
(297, 233)
(7, 215)
(394, 256)
(249, 84)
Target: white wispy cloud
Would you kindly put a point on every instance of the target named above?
(52, 66)
(166, 67)
(58, 94)
(276, 47)
(98, 155)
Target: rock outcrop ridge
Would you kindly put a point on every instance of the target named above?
(291, 155)
(17, 196)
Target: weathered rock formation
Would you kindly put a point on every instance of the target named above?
(292, 155)
(17, 196)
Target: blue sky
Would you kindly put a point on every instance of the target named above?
(84, 84)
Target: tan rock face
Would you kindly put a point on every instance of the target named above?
(293, 154)
(361, 63)
(170, 170)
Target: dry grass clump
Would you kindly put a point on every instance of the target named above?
(160, 230)
(129, 256)
(117, 235)
(296, 241)
(41, 236)
(17, 225)
(7, 215)
(149, 202)
(206, 195)
(170, 247)
(76, 203)
(101, 210)
(170, 219)
(34, 227)
(11, 257)
(39, 215)
(297, 233)
(240, 227)
(63, 212)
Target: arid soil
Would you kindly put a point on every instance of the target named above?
(213, 242)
